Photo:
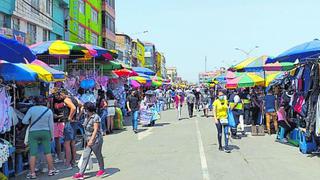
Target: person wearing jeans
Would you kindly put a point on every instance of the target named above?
(191, 98)
(133, 105)
(220, 114)
(94, 139)
(270, 109)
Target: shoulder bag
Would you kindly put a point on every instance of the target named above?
(26, 138)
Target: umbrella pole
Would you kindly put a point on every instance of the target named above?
(94, 67)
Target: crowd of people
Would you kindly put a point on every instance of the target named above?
(59, 118)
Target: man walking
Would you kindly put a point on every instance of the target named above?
(133, 105)
(191, 98)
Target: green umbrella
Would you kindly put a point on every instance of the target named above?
(111, 65)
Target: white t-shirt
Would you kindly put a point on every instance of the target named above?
(236, 99)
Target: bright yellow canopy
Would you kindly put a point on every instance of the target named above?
(43, 74)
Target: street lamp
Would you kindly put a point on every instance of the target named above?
(247, 53)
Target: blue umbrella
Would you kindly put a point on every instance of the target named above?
(302, 52)
(14, 52)
(221, 78)
(17, 72)
(144, 71)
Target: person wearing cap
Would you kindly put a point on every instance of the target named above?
(94, 141)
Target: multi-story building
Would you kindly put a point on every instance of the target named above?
(206, 76)
(6, 25)
(124, 44)
(161, 65)
(85, 22)
(32, 21)
(163, 68)
(150, 56)
(60, 12)
(137, 53)
(172, 73)
(108, 24)
(32, 18)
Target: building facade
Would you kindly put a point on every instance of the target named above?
(60, 12)
(124, 44)
(206, 76)
(163, 68)
(108, 24)
(172, 73)
(85, 22)
(33, 18)
(150, 56)
(137, 53)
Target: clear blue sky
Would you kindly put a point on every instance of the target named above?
(188, 30)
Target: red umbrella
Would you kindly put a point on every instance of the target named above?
(125, 73)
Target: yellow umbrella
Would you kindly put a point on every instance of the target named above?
(273, 76)
(43, 74)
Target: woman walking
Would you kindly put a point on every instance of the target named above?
(179, 100)
(112, 103)
(220, 114)
(93, 136)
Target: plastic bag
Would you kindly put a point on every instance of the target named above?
(90, 164)
(231, 121)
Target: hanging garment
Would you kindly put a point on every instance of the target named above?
(4, 151)
(306, 79)
(311, 117)
(318, 118)
(299, 79)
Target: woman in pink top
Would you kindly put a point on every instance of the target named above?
(179, 100)
(284, 122)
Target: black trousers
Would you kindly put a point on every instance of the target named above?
(287, 129)
(190, 109)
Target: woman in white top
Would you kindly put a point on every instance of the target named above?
(112, 103)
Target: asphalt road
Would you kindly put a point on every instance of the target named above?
(187, 149)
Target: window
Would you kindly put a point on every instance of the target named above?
(46, 35)
(35, 6)
(82, 33)
(94, 15)
(16, 24)
(111, 3)
(94, 39)
(4, 21)
(110, 25)
(81, 6)
(32, 33)
(48, 6)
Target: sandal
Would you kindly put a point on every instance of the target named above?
(53, 172)
(31, 176)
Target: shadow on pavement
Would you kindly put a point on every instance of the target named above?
(234, 147)
(109, 172)
(161, 124)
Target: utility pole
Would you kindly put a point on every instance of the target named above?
(205, 64)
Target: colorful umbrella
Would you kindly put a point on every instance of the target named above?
(144, 71)
(111, 55)
(270, 77)
(43, 74)
(57, 75)
(95, 51)
(245, 80)
(141, 80)
(111, 65)
(156, 83)
(259, 64)
(302, 52)
(16, 72)
(157, 78)
(134, 84)
(125, 73)
(58, 48)
(14, 52)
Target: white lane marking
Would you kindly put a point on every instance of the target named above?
(145, 133)
(204, 165)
